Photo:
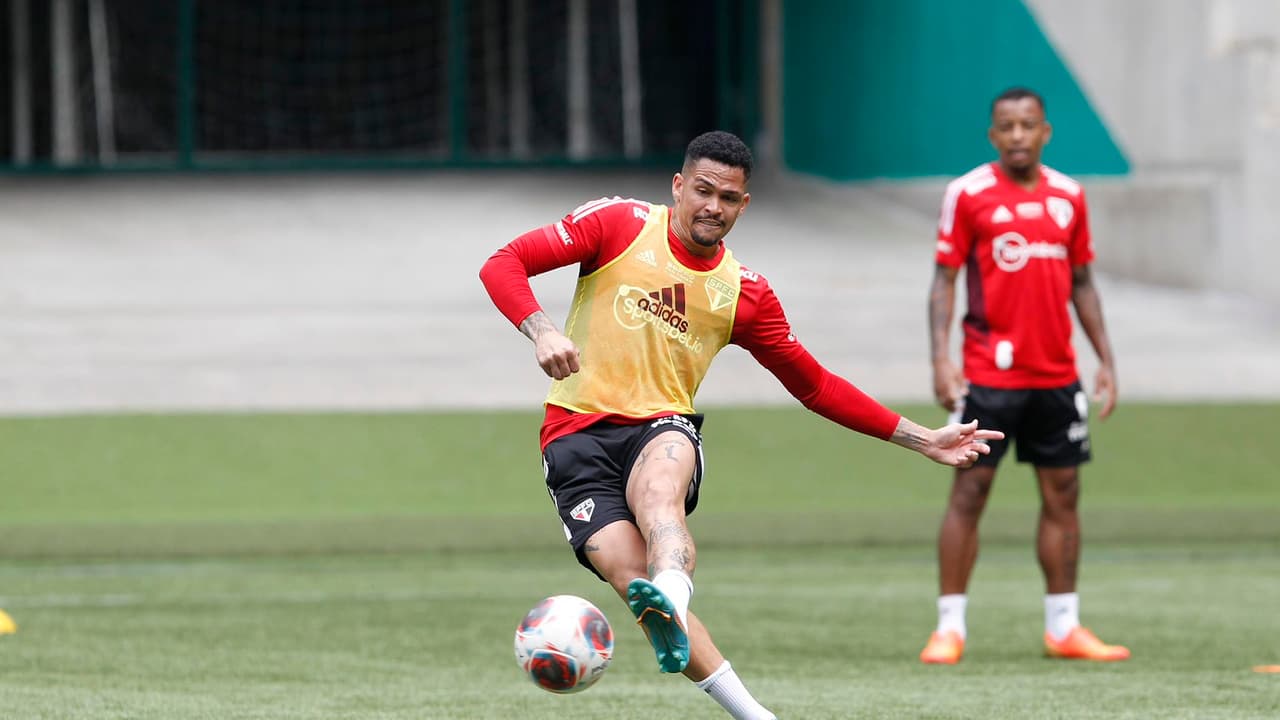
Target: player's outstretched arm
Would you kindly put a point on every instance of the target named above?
(958, 444)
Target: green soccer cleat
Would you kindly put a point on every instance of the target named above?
(655, 613)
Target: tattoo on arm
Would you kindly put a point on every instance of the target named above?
(536, 325)
(941, 305)
(909, 435)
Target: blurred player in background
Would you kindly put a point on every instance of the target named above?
(658, 296)
(1021, 231)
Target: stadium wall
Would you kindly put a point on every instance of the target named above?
(1191, 88)
(1169, 109)
(900, 88)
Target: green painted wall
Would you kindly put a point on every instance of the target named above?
(902, 88)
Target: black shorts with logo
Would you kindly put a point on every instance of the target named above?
(587, 474)
(1050, 426)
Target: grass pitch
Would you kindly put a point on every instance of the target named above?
(815, 632)
(350, 566)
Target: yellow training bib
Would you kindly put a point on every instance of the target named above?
(647, 328)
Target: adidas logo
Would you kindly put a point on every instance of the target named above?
(672, 297)
(668, 305)
(1001, 215)
(648, 257)
(662, 309)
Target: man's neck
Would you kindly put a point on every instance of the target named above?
(1027, 178)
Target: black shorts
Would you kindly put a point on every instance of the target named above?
(587, 474)
(1050, 426)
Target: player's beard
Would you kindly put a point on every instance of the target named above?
(704, 235)
(1022, 163)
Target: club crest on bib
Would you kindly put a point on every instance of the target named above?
(720, 293)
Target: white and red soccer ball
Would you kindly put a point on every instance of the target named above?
(564, 644)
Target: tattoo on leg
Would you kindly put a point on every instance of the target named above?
(591, 547)
(679, 557)
(670, 547)
(672, 446)
(661, 532)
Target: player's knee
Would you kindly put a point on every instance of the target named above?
(1063, 500)
(969, 498)
(1061, 490)
(658, 493)
(968, 505)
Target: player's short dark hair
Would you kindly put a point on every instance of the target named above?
(1018, 92)
(722, 147)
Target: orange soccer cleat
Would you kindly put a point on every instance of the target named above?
(1080, 644)
(944, 648)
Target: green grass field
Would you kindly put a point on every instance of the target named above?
(375, 566)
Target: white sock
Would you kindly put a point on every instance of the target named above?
(951, 613)
(726, 688)
(678, 587)
(1061, 614)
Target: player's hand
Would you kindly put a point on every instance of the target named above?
(1104, 390)
(959, 444)
(556, 354)
(949, 384)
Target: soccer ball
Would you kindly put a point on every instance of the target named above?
(564, 644)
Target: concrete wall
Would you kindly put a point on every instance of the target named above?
(900, 88)
(1187, 90)
(1191, 89)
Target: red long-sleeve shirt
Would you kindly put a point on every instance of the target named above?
(600, 231)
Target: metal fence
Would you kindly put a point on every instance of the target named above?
(117, 85)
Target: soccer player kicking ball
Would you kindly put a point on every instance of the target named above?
(658, 296)
(1022, 231)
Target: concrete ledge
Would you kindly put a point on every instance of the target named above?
(1157, 231)
(1151, 230)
